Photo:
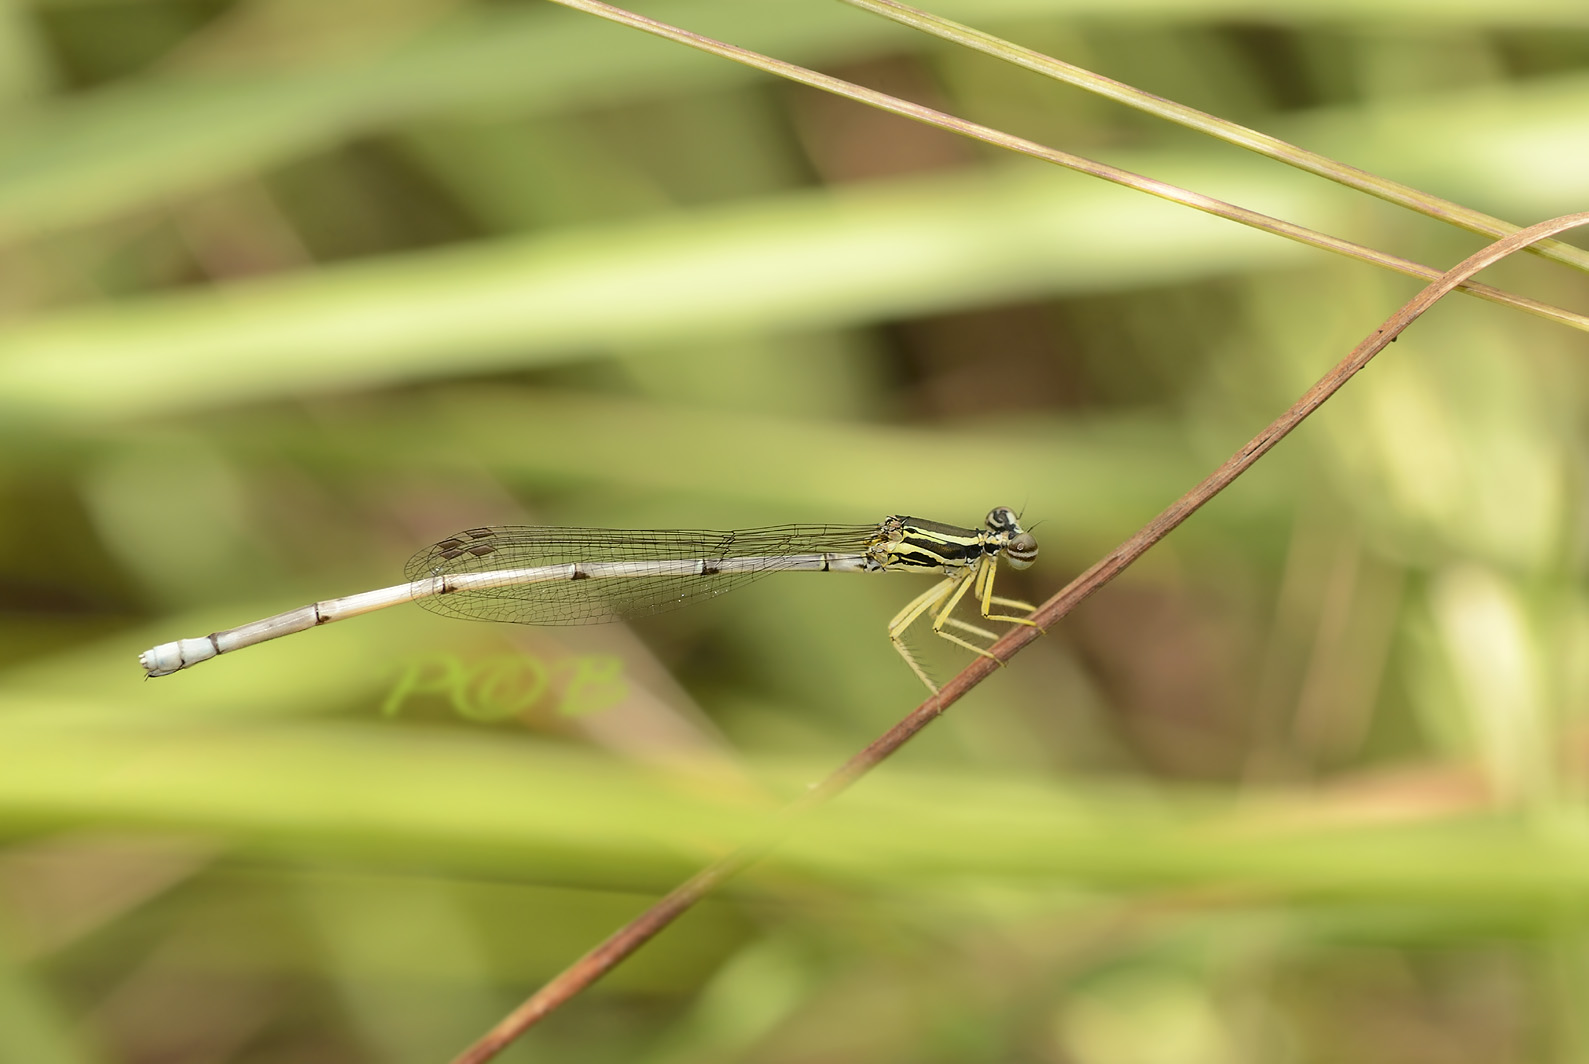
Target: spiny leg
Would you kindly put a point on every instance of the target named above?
(941, 600)
(942, 617)
(909, 616)
(985, 591)
(955, 622)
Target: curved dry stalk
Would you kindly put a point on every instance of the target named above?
(593, 965)
(1223, 129)
(1020, 145)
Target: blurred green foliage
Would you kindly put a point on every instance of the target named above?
(289, 290)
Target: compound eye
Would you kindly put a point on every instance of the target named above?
(1001, 519)
(1022, 550)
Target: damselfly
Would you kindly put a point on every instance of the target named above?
(585, 575)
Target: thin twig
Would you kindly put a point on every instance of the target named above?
(593, 965)
(1021, 146)
(1222, 128)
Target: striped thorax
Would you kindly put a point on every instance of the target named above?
(904, 543)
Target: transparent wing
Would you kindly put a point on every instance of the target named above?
(589, 601)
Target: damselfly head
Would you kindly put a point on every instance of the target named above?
(1020, 546)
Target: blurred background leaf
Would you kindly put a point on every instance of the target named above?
(290, 290)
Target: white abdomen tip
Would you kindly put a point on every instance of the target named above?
(167, 658)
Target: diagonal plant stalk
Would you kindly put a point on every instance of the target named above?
(1020, 145)
(602, 959)
(1231, 132)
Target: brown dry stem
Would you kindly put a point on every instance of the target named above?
(1032, 149)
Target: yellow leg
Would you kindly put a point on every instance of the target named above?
(954, 622)
(985, 589)
(942, 618)
(940, 601)
(909, 615)
(920, 605)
